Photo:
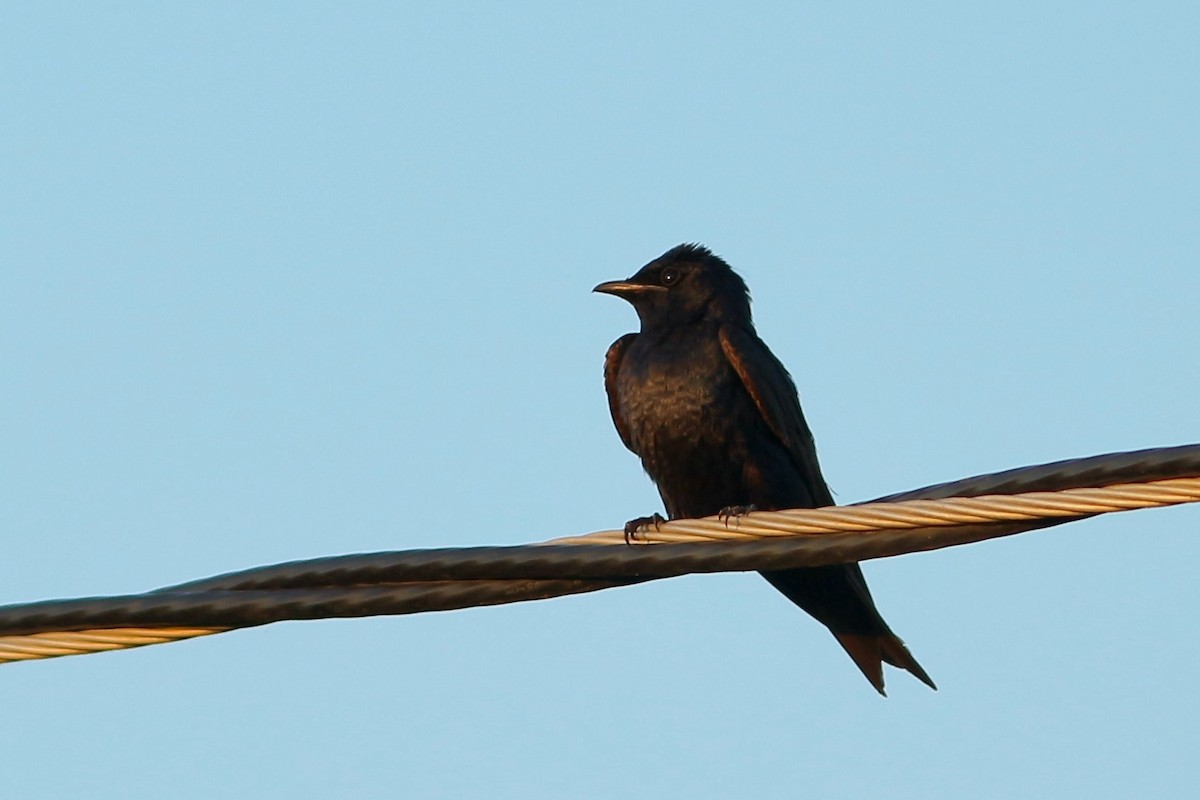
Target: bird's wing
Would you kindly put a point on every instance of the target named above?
(836, 595)
(771, 388)
(612, 365)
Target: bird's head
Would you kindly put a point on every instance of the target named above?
(686, 284)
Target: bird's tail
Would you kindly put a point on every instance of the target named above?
(837, 596)
(870, 650)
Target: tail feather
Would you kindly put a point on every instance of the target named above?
(869, 651)
(838, 597)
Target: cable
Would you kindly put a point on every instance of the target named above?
(430, 580)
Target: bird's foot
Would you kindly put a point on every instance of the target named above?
(733, 512)
(641, 524)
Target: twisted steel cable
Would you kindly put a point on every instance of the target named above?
(416, 581)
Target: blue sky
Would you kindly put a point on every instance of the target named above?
(293, 280)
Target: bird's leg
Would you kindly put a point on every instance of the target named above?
(733, 512)
(636, 526)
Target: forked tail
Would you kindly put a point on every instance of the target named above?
(870, 650)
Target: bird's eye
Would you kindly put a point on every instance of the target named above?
(669, 276)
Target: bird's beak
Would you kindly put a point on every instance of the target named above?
(624, 289)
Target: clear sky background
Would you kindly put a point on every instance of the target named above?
(290, 280)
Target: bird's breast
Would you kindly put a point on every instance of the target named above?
(674, 391)
(682, 402)
(700, 435)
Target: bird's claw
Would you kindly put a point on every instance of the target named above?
(732, 512)
(636, 526)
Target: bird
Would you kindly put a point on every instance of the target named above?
(716, 420)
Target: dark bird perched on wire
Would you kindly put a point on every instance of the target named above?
(717, 423)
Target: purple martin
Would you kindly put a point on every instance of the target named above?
(716, 420)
